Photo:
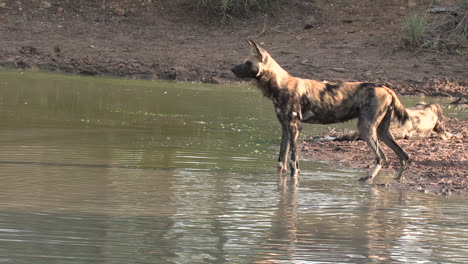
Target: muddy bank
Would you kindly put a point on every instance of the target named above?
(438, 166)
(324, 40)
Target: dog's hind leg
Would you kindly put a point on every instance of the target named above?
(368, 133)
(373, 144)
(387, 138)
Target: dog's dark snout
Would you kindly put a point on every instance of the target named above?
(235, 69)
(243, 71)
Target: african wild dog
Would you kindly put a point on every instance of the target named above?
(425, 119)
(301, 100)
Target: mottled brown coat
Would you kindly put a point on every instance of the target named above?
(299, 100)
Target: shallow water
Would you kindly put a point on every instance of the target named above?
(97, 170)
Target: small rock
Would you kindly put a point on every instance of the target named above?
(442, 9)
(59, 10)
(2, 5)
(412, 3)
(119, 11)
(338, 69)
(45, 5)
(216, 79)
(307, 62)
(131, 11)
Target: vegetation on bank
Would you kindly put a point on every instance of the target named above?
(447, 32)
(228, 9)
(422, 29)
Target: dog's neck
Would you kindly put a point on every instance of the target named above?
(272, 79)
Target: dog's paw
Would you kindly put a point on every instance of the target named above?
(281, 169)
(365, 178)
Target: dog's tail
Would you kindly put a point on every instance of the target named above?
(398, 109)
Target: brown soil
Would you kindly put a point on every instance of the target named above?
(162, 39)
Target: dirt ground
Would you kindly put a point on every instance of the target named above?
(172, 39)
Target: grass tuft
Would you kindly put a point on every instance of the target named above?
(228, 9)
(415, 30)
(446, 32)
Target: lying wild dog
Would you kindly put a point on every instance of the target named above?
(425, 119)
(301, 100)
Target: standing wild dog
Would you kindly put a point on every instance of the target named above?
(301, 100)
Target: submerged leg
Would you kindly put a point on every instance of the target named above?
(372, 114)
(294, 132)
(369, 134)
(284, 146)
(387, 138)
(284, 151)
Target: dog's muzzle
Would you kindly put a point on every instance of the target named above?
(237, 70)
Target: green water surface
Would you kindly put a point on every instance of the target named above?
(102, 170)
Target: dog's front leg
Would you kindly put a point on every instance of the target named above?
(294, 132)
(284, 147)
